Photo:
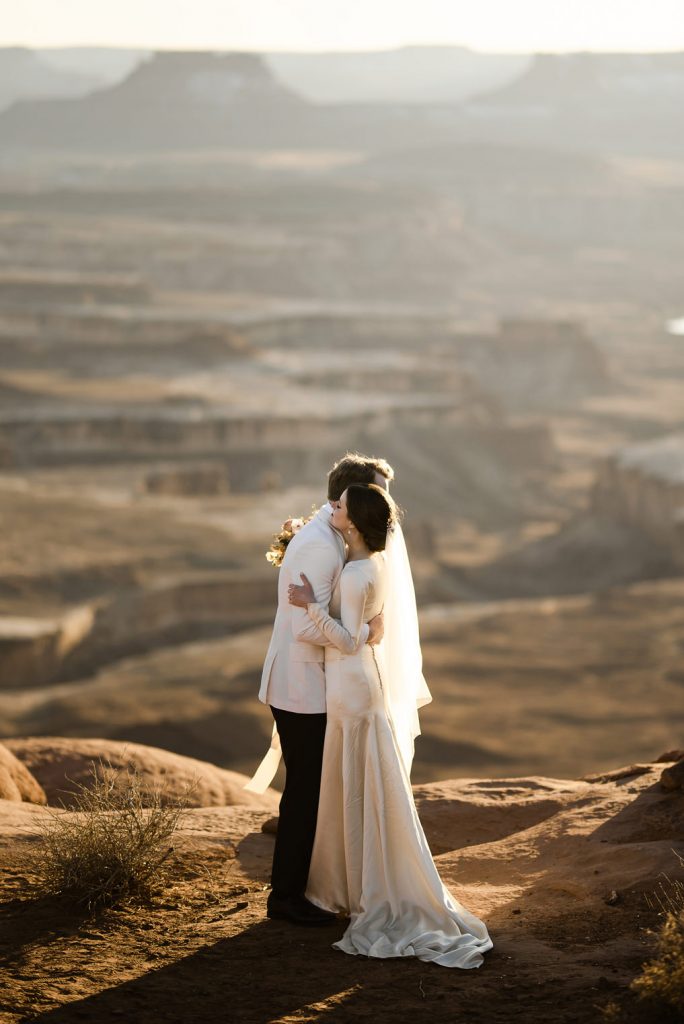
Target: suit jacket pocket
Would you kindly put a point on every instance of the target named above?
(306, 681)
(307, 652)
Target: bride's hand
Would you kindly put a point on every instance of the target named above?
(301, 595)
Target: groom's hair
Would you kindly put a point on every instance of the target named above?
(354, 468)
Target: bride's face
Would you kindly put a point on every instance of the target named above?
(339, 518)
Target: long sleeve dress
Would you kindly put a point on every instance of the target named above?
(371, 858)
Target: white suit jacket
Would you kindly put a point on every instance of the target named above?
(293, 678)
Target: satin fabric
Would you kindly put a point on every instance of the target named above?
(370, 857)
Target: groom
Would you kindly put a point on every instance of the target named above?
(293, 684)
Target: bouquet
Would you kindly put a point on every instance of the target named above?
(276, 552)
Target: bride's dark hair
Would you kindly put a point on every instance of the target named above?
(372, 512)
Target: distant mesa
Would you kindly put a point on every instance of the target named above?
(590, 102)
(218, 79)
(172, 100)
(175, 101)
(408, 74)
(569, 80)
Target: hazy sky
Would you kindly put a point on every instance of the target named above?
(525, 25)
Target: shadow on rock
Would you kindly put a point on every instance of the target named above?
(654, 815)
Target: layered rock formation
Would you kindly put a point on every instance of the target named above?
(112, 331)
(133, 619)
(534, 364)
(200, 478)
(643, 486)
(524, 364)
(72, 435)
(632, 529)
(36, 288)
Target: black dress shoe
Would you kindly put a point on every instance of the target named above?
(298, 910)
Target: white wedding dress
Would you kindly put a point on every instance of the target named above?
(371, 858)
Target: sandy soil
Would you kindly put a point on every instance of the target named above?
(536, 858)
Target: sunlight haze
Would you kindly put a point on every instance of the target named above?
(494, 25)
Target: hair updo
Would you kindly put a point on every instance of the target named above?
(372, 512)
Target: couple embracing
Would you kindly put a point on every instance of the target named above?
(344, 681)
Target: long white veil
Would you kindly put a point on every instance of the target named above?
(402, 659)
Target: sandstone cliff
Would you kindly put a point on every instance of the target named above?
(643, 486)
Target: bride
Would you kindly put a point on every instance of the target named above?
(371, 859)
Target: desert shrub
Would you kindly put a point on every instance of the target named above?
(114, 845)
(662, 979)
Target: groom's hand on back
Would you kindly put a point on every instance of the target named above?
(376, 629)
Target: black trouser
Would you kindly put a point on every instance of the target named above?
(301, 739)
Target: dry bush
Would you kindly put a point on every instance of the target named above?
(662, 979)
(114, 845)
